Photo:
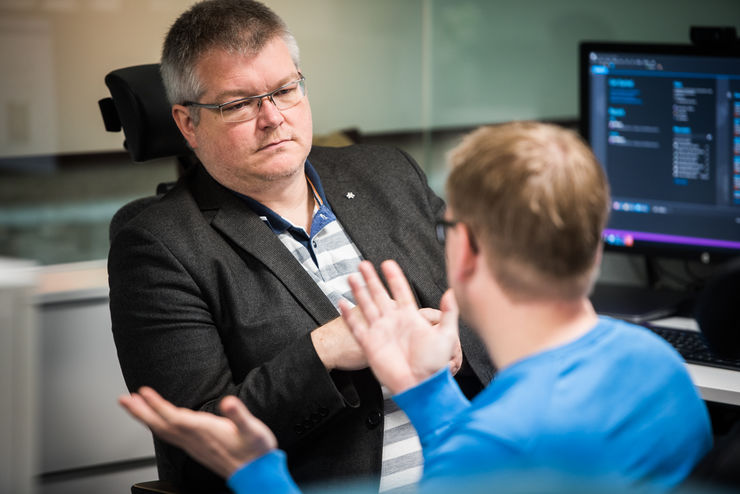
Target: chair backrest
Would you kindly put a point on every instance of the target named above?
(139, 105)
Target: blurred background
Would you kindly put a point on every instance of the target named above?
(412, 73)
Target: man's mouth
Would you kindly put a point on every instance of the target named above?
(274, 143)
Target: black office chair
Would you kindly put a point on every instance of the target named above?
(154, 487)
(138, 105)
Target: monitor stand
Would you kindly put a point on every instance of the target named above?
(637, 304)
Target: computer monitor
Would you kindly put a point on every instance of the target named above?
(664, 121)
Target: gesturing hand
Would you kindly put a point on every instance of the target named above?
(221, 444)
(402, 347)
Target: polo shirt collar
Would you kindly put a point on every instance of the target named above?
(276, 222)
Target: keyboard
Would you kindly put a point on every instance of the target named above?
(693, 348)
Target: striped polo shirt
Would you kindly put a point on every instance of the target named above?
(329, 256)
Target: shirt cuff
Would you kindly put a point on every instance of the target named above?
(433, 403)
(268, 474)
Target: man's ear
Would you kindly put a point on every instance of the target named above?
(599, 255)
(185, 123)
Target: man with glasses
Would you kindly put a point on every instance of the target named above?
(580, 403)
(230, 284)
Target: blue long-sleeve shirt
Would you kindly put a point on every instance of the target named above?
(615, 406)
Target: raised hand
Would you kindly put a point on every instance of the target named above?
(402, 346)
(222, 444)
(434, 316)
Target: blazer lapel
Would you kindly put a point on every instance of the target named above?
(368, 226)
(242, 227)
(353, 207)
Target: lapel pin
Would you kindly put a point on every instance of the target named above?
(350, 195)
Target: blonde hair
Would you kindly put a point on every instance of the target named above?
(536, 201)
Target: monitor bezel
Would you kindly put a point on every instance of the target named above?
(703, 254)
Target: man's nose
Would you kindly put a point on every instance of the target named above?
(268, 113)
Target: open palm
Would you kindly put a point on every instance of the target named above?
(402, 346)
(222, 444)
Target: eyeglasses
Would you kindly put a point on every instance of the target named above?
(440, 227)
(242, 109)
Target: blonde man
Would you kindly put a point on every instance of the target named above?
(588, 398)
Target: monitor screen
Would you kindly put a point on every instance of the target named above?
(664, 121)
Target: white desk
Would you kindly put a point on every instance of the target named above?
(19, 451)
(87, 442)
(714, 384)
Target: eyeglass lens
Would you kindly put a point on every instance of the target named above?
(440, 228)
(247, 108)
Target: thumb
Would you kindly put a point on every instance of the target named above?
(255, 437)
(235, 410)
(450, 312)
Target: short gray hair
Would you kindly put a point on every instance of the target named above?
(236, 26)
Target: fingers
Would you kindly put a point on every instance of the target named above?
(448, 326)
(251, 429)
(139, 406)
(235, 410)
(398, 284)
(355, 320)
(432, 316)
(345, 308)
(162, 407)
(161, 416)
(373, 299)
(448, 307)
(381, 300)
(450, 313)
(364, 300)
(457, 358)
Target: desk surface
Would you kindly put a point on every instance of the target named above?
(72, 282)
(714, 384)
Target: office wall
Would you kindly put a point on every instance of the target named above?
(380, 66)
(498, 60)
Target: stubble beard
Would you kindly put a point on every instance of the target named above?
(268, 178)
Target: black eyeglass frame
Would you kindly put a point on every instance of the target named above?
(440, 227)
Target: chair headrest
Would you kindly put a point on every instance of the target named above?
(143, 111)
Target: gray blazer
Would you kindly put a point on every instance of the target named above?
(206, 301)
